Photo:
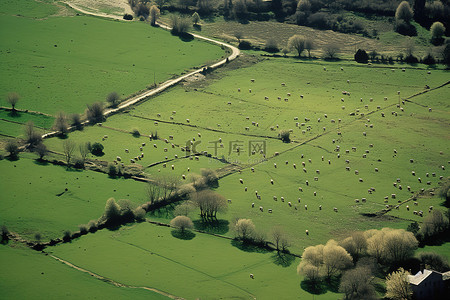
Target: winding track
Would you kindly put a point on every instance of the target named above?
(235, 52)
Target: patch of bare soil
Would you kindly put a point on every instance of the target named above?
(113, 7)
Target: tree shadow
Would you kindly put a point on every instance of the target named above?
(41, 162)
(12, 158)
(313, 287)
(332, 284)
(14, 114)
(197, 27)
(282, 259)
(215, 226)
(186, 235)
(186, 37)
(248, 247)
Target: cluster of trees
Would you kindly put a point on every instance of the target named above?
(355, 259)
(434, 226)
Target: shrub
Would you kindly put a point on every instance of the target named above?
(297, 43)
(405, 28)
(67, 235)
(434, 261)
(411, 59)
(180, 25)
(32, 137)
(245, 45)
(83, 228)
(97, 149)
(142, 10)
(404, 12)
(429, 59)
(154, 14)
(112, 170)
(94, 112)
(12, 99)
(5, 233)
(111, 215)
(92, 226)
(127, 17)
(196, 18)
(75, 121)
(135, 132)
(139, 214)
(211, 177)
(361, 56)
(271, 45)
(78, 163)
(60, 124)
(437, 32)
(12, 148)
(284, 135)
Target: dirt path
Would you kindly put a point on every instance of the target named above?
(235, 52)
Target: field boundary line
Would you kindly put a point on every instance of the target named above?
(113, 282)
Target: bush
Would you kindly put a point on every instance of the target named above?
(112, 170)
(405, 28)
(271, 46)
(92, 226)
(60, 124)
(182, 223)
(97, 149)
(112, 215)
(83, 228)
(67, 235)
(411, 59)
(284, 135)
(32, 137)
(429, 60)
(75, 121)
(127, 17)
(361, 56)
(78, 163)
(245, 45)
(139, 214)
(5, 233)
(180, 25)
(12, 148)
(434, 261)
(211, 177)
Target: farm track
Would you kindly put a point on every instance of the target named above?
(110, 281)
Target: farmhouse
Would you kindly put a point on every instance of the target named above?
(427, 284)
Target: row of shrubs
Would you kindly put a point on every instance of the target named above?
(361, 56)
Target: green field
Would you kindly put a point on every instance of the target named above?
(26, 274)
(34, 199)
(208, 267)
(68, 62)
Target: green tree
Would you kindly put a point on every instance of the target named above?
(397, 285)
(404, 12)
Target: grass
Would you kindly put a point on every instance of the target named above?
(207, 268)
(42, 121)
(28, 8)
(47, 278)
(67, 62)
(443, 250)
(34, 199)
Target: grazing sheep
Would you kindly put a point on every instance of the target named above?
(271, 181)
(315, 193)
(253, 169)
(188, 121)
(269, 211)
(261, 208)
(335, 209)
(290, 204)
(419, 179)
(363, 200)
(258, 197)
(393, 196)
(275, 198)
(307, 182)
(299, 200)
(140, 148)
(126, 151)
(229, 200)
(183, 176)
(301, 96)
(407, 207)
(245, 189)
(249, 90)
(282, 199)
(253, 204)
(356, 172)
(252, 276)
(320, 207)
(283, 84)
(306, 207)
(241, 181)
(361, 180)
(295, 166)
(376, 169)
(356, 200)
(307, 232)
(300, 189)
(275, 165)
(118, 158)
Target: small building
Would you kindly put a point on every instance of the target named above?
(427, 284)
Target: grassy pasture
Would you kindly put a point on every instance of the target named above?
(28, 8)
(335, 187)
(67, 62)
(34, 200)
(46, 278)
(207, 267)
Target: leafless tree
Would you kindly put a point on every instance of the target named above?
(68, 149)
(12, 99)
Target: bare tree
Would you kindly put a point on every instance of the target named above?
(94, 112)
(32, 137)
(356, 284)
(68, 149)
(335, 258)
(153, 192)
(297, 43)
(279, 238)
(404, 12)
(196, 18)
(75, 120)
(113, 99)
(331, 51)
(239, 35)
(12, 99)
(183, 209)
(209, 202)
(61, 124)
(182, 223)
(12, 148)
(154, 14)
(41, 150)
(84, 151)
(309, 45)
(397, 285)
